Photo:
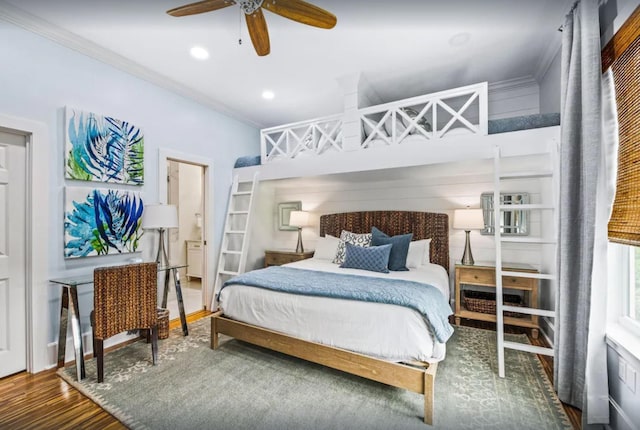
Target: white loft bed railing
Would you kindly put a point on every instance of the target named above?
(430, 117)
(314, 136)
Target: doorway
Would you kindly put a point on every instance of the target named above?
(185, 190)
(13, 252)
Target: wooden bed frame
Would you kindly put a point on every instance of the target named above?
(421, 380)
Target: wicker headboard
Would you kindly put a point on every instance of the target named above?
(423, 225)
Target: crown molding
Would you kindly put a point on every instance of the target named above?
(79, 44)
(510, 84)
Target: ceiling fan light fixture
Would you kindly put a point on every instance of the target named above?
(295, 10)
(199, 53)
(250, 6)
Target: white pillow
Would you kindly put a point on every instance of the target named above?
(326, 248)
(419, 253)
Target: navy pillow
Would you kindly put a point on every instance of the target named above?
(372, 258)
(399, 250)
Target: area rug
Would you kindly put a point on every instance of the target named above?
(240, 386)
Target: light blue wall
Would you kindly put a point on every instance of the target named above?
(39, 77)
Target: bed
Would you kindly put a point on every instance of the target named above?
(383, 342)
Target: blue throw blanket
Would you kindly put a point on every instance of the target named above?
(424, 298)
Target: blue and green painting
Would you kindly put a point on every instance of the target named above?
(103, 149)
(101, 221)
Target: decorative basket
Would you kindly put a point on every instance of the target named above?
(484, 302)
(163, 323)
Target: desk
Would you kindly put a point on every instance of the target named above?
(69, 307)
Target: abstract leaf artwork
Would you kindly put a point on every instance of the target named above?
(101, 221)
(103, 149)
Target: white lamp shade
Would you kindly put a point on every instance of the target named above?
(160, 216)
(299, 218)
(468, 219)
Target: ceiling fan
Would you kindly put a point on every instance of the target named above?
(296, 10)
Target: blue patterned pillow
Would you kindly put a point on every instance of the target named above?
(399, 251)
(372, 258)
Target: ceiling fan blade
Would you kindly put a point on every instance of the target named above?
(259, 32)
(200, 7)
(301, 11)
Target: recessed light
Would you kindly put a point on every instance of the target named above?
(199, 53)
(268, 95)
(459, 39)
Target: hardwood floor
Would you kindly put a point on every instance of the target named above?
(44, 401)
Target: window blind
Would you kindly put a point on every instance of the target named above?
(622, 54)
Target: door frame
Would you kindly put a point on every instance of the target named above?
(165, 155)
(37, 238)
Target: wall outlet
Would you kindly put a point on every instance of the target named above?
(627, 374)
(622, 370)
(631, 378)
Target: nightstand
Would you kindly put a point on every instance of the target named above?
(484, 275)
(278, 257)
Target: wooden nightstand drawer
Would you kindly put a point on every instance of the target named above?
(478, 277)
(487, 277)
(277, 258)
(519, 283)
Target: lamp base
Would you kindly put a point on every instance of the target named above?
(467, 257)
(299, 247)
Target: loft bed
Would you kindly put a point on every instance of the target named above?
(257, 326)
(447, 126)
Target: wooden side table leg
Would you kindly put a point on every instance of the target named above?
(457, 320)
(534, 333)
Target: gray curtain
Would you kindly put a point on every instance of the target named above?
(580, 154)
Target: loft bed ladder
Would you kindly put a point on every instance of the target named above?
(234, 246)
(500, 239)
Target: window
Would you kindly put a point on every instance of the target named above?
(622, 55)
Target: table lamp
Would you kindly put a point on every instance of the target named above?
(160, 217)
(299, 219)
(467, 220)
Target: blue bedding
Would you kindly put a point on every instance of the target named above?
(424, 298)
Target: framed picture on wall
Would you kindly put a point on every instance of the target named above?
(284, 211)
(101, 221)
(102, 149)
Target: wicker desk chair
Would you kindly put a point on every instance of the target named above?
(125, 298)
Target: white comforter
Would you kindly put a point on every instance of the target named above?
(389, 332)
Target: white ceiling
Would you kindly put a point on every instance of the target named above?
(402, 48)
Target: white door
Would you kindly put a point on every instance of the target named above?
(13, 174)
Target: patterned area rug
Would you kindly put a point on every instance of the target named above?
(240, 386)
